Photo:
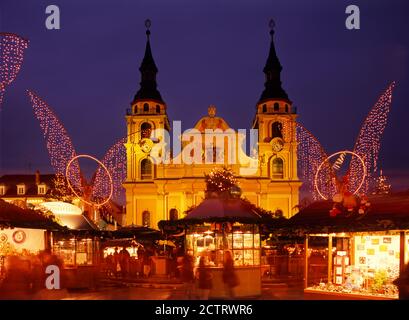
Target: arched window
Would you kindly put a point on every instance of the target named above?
(146, 219)
(264, 108)
(146, 130)
(278, 168)
(286, 108)
(276, 130)
(276, 106)
(173, 214)
(157, 108)
(146, 169)
(146, 107)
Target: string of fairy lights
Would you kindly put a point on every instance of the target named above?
(369, 141)
(12, 49)
(115, 161)
(221, 179)
(58, 143)
(310, 153)
(310, 156)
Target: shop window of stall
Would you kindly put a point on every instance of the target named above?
(75, 252)
(365, 263)
(243, 241)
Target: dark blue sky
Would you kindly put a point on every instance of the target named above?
(207, 52)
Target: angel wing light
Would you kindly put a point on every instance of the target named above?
(12, 49)
(369, 141)
(310, 155)
(59, 145)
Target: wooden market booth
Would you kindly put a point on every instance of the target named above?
(218, 225)
(77, 245)
(24, 235)
(135, 239)
(352, 254)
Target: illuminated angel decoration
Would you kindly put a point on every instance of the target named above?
(61, 151)
(12, 49)
(311, 155)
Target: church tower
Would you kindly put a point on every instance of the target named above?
(276, 123)
(147, 113)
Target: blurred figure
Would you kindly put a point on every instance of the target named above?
(17, 283)
(117, 262)
(187, 276)
(204, 277)
(403, 283)
(125, 258)
(147, 261)
(230, 278)
(110, 265)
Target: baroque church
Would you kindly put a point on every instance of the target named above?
(165, 190)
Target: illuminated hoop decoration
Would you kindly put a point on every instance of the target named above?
(103, 166)
(333, 155)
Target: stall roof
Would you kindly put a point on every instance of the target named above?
(76, 222)
(219, 209)
(388, 212)
(135, 232)
(13, 216)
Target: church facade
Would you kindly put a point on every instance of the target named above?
(162, 190)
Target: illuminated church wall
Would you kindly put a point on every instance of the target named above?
(165, 191)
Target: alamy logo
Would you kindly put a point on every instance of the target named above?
(53, 20)
(353, 20)
(52, 282)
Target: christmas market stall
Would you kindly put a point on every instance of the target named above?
(77, 246)
(136, 240)
(356, 250)
(224, 225)
(220, 225)
(24, 235)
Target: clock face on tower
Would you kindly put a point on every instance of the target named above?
(146, 145)
(277, 144)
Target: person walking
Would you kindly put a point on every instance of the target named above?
(187, 276)
(204, 277)
(230, 278)
(117, 261)
(147, 264)
(125, 258)
(403, 283)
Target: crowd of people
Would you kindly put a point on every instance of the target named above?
(121, 264)
(24, 275)
(198, 281)
(197, 278)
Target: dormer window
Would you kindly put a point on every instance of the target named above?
(21, 189)
(2, 190)
(42, 189)
(264, 108)
(276, 106)
(146, 107)
(157, 108)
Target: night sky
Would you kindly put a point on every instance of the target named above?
(207, 52)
